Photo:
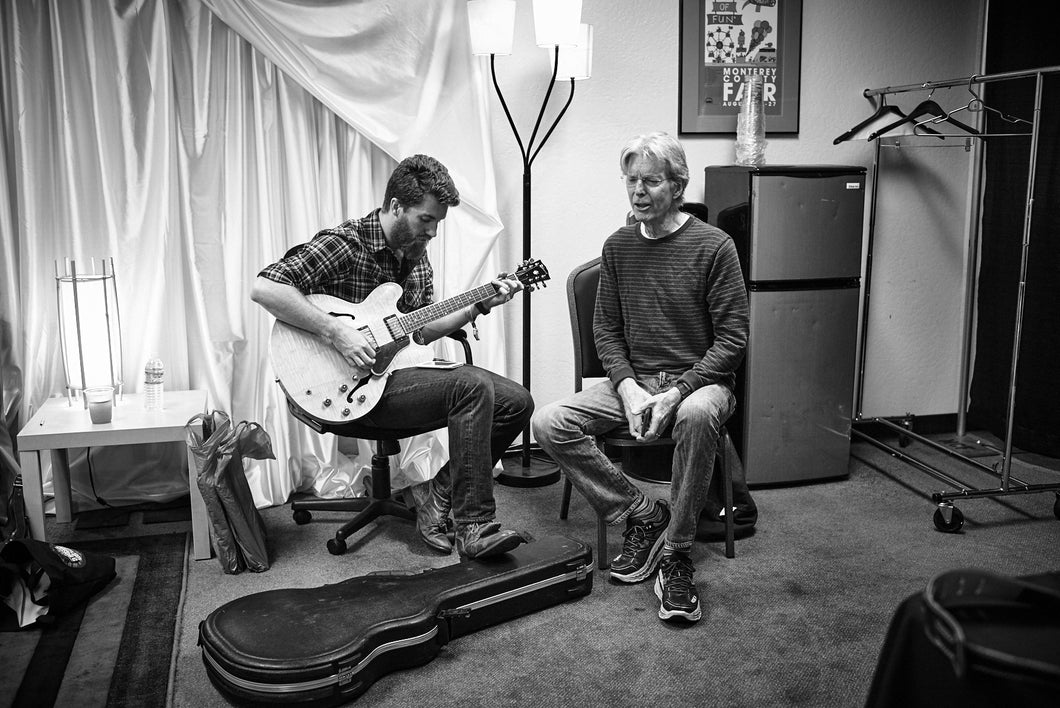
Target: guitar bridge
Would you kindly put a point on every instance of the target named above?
(369, 336)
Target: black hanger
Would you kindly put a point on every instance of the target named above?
(925, 108)
(881, 110)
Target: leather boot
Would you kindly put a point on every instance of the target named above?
(432, 514)
(485, 540)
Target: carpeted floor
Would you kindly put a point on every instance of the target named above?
(797, 618)
(116, 649)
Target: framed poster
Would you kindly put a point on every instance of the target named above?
(725, 41)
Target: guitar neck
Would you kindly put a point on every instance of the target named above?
(417, 319)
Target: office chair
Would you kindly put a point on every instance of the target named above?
(382, 502)
(581, 299)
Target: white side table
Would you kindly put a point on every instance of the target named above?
(58, 426)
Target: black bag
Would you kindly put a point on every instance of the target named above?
(973, 639)
(12, 504)
(998, 627)
(40, 581)
(352, 633)
(711, 525)
(13, 522)
(218, 447)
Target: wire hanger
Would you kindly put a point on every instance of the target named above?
(977, 104)
(926, 107)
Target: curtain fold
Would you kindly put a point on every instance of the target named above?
(194, 151)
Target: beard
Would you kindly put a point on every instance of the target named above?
(405, 240)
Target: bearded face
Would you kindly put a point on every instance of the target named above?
(415, 226)
(404, 239)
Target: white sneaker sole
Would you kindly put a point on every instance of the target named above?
(645, 571)
(665, 614)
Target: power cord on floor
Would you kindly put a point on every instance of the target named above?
(92, 479)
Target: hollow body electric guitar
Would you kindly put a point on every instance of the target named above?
(328, 388)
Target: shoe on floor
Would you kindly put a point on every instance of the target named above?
(485, 540)
(642, 546)
(432, 515)
(677, 593)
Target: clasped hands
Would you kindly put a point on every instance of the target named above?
(648, 415)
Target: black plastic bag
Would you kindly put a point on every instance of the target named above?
(711, 524)
(238, 531)
(997, 627)
(40, 581)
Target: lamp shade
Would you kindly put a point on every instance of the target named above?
(89, 329)
(576, 62)
(556, 22)
(492, 24)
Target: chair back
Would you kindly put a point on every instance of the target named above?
(582, 285)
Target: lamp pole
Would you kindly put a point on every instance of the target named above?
(556, 23)
(527, 476)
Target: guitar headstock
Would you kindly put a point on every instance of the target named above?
(532, 272)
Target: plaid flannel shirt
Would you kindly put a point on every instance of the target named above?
(349, 262)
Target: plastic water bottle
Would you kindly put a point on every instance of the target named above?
(154, 373)
(750, 124)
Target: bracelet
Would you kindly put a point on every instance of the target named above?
(482, 308)
(472, 315)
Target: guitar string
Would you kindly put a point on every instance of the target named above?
(431, 312)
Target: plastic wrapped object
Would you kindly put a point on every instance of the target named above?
(218, 447)
(750, 124)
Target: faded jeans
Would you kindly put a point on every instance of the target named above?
(566, 430)
(484, 414)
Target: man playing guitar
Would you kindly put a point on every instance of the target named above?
(483, 412)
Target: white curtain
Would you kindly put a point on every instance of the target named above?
(196, 141)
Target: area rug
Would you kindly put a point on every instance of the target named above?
(115, 650)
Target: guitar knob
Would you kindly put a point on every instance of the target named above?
(343, 388)
(327, 402)
(308, 392)
(345, 412)
(361, 398)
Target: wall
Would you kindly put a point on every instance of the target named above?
(915, 322)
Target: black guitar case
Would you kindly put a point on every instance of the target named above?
(328, 645)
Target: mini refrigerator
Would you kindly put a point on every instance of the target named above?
(798, 231)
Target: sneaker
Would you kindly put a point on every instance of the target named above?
(485, 540)
(675, 589)
(642, 547)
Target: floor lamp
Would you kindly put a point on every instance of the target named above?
(557, 24)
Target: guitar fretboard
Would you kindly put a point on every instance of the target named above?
(425, 315)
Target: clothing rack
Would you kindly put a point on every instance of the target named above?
(948, 517)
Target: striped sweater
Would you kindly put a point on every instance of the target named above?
(675, 304)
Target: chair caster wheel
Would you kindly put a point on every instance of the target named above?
(302, 517)
(336, 546)
(951, 525)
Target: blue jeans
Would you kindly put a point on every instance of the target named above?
(483, 412)
(566, 430)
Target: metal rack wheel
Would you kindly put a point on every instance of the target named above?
(336, 546)
(948, 518)
(302, 517)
